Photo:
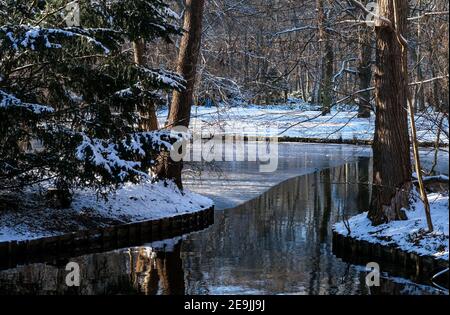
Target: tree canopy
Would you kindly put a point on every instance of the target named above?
(70, 96)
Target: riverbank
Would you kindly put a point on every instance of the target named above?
(304, 122)
(28, 216)
(282, 233)
(408, 236)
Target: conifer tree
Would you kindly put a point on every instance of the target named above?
(70, 96)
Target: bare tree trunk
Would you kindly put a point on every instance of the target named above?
(364, 71)
(326, 49)
(180, 112)
(180, 109)
(391, 155)
(151, 123)
(419, 96)
(415, 142)
(302, 86)
(309, 87)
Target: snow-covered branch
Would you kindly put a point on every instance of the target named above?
(28, 37)
(164, 77)
(8, 100)
(124, 158)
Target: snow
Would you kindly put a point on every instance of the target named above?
(12, 39)
(171, 14)
(167, 245)
(408, 235)
(429, 178)
(108, 155)
(8, 100)
(300, 120)
(33, 34)
(165, 77)
(143, 201)
(130, 203)
(124, 93)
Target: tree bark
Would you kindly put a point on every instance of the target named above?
(326, 49)
(180, 112)
(391, 147)
(180, 109)
(419, 96)
(151, 122)
(364, 71)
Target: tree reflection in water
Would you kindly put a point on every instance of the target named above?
(157, 271)
(140, 270)
(277, 243)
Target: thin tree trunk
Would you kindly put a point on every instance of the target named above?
(309, 87)
(364, 71)
(418, 166)
(391, 155)
(180, 109)
(415, 143)
(302, 86)
(326, 49)
(419, 96)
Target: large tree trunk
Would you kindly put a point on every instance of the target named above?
(180, 109)
(151, 121)
(391, 147)
(364, 71)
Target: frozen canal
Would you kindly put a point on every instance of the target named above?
(272, 235)
(232, 183)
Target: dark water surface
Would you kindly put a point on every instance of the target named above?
(277, 243)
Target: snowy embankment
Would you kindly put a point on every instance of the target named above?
(131, 203)
(409, 235)
(302, 121)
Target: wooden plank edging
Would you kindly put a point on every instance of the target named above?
(112, 237)
(419, 268)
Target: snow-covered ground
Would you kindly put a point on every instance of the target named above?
(299, 121)
(142, 202)
(149, 201)
(409, 235)
(130, 203)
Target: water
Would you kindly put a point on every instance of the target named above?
(230, 184)
(276, 243)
